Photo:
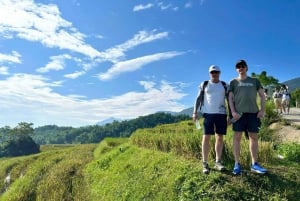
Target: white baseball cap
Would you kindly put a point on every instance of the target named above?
(214, 68)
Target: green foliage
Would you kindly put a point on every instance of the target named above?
(181, 138)
(290, 151)
(52, 134)
(271, 116)
(19, 142)
(145, 174)
(23, 145)
(295, 97)
(123, 171)
(266, 80)
(160, 163)
(55, 174)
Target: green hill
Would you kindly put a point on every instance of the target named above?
(160, 163)
(293, 84)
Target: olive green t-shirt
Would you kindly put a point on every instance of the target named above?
(245, 94)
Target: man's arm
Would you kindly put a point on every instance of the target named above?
(196, 106)
(234, 113)
(261, 94)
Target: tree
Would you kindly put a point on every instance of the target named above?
(295, 99)
(20, 143)
(266, 81)
(22, 128)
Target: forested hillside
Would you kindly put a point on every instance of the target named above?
(293, 84)
(52, 134)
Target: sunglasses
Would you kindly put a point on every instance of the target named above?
(214, 72)
(240, 66)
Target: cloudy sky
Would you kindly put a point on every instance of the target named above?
(78, 62)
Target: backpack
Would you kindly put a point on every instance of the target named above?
(203, 88)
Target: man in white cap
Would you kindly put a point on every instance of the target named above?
(211, 101)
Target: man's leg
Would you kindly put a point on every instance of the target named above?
(205, 147)
(205, 152)
(236, 152)
(219, 147)
(253, 146)
(237, 146)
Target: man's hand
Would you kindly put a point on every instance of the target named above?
(195, 116)
(261, 114)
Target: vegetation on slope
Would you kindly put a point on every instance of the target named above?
(52, 134)
(162, 163)
(116, 169)
(55, 174)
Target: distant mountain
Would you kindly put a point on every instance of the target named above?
(293, 84)
(107, 121)
(188, 111)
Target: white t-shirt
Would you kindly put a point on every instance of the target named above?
(214, 98)
(285, 95)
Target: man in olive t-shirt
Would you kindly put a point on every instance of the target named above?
(242, 100)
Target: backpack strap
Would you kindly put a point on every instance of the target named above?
(202, 93)
(225, 88)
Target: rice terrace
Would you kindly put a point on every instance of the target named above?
(159, 163)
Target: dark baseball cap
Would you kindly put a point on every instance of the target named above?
(241, 62)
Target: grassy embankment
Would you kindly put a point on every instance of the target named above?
(162, 163)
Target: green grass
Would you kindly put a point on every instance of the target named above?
(163, 163)
(50, 175)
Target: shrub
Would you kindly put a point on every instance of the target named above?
(290, 151)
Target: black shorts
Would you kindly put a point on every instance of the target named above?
(215, 124)
(248, 122)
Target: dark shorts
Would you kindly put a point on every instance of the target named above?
(215, 124)
(248, 122)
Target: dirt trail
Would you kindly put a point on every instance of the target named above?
(294, 116)
(290, 133)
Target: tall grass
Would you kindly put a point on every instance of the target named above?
(183, 139)
(50, 175)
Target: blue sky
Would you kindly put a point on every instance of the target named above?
(78, 62)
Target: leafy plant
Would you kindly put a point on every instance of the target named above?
(290, 151)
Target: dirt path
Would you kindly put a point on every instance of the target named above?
(290, 133)
(294, 116)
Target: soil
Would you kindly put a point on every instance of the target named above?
(289, 131)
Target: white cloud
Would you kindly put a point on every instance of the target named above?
(162, 6)
(142, 7)
(32, 98)
(147, 84)
(41, 23)
(56, 63)
(75, 74)
(116, 53)
(10, 58)
(135, 64)
(4, 70)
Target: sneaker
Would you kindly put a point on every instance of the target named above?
(237, 169)
(219, 166)
(205, 168)
(258, 169)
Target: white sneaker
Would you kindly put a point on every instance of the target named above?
(219, 166)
